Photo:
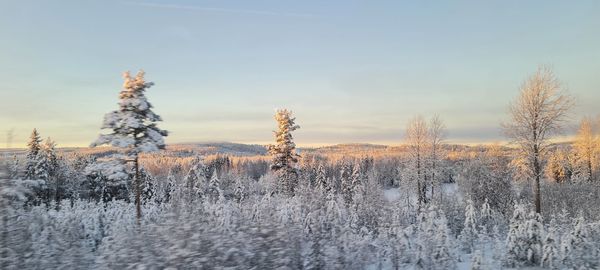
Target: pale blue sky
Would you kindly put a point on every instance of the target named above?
(352, 71)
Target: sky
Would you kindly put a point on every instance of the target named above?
(351, 71)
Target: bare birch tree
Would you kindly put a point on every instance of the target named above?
(416, 138)
(539, 112)
(437, 134)
(586, 146)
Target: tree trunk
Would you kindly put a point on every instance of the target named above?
(138, 203)
(419, 195)
(536, 185)
(433, 174)
(419, 190)
(590, 169)
(57, 193)
(538, 200)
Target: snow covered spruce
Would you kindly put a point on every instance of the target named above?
(134, 130)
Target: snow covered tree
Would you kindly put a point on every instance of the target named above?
(434, 247)
(515, 242)
(578, 250)
(416, 138)
(468, 236)
(284, 151)
(524, 240)
(321, 179)
(196, 179)
(486, 216)
(480, 181)
(240, 190)
(33, 148)
(535, 232)
(358, 181)
(559, 166)
(47, 169)
(133, 127)
(346, 182)
(586, 143)
(214, 187)
(106, 180)
(14, 168)
(550, 251)
(538, 112)
(170, 186)
(437, 134)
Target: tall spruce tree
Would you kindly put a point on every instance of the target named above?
(47, 169)
(33, 149)
(284, 150)
(321, 179)
(133, 127)
(468, 236)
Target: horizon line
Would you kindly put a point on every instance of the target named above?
(562, 139)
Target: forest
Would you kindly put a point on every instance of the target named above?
(130, 201)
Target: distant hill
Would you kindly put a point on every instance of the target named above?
(240, 149)
(211, 148)
(347, 148)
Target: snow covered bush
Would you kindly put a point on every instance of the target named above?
(524, 240)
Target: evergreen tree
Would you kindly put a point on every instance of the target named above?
(578, 250)
(321, 179)
(516, 251)
(106, 180)
(170, 187)
(214, 187)
(524, 240)
(357, 181)
(434, 247)
(196, 179)
(550, 252)
(284, 151)
(133, 127)
(485, 218)
(469, 233)
(149, 187)
(14, 168)
(240, 190)
(33, 149)
(346, 182)
(535, 231)
(47, 169)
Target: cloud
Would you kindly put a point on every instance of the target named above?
(220, 10)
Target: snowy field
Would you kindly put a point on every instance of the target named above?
(211, 213)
